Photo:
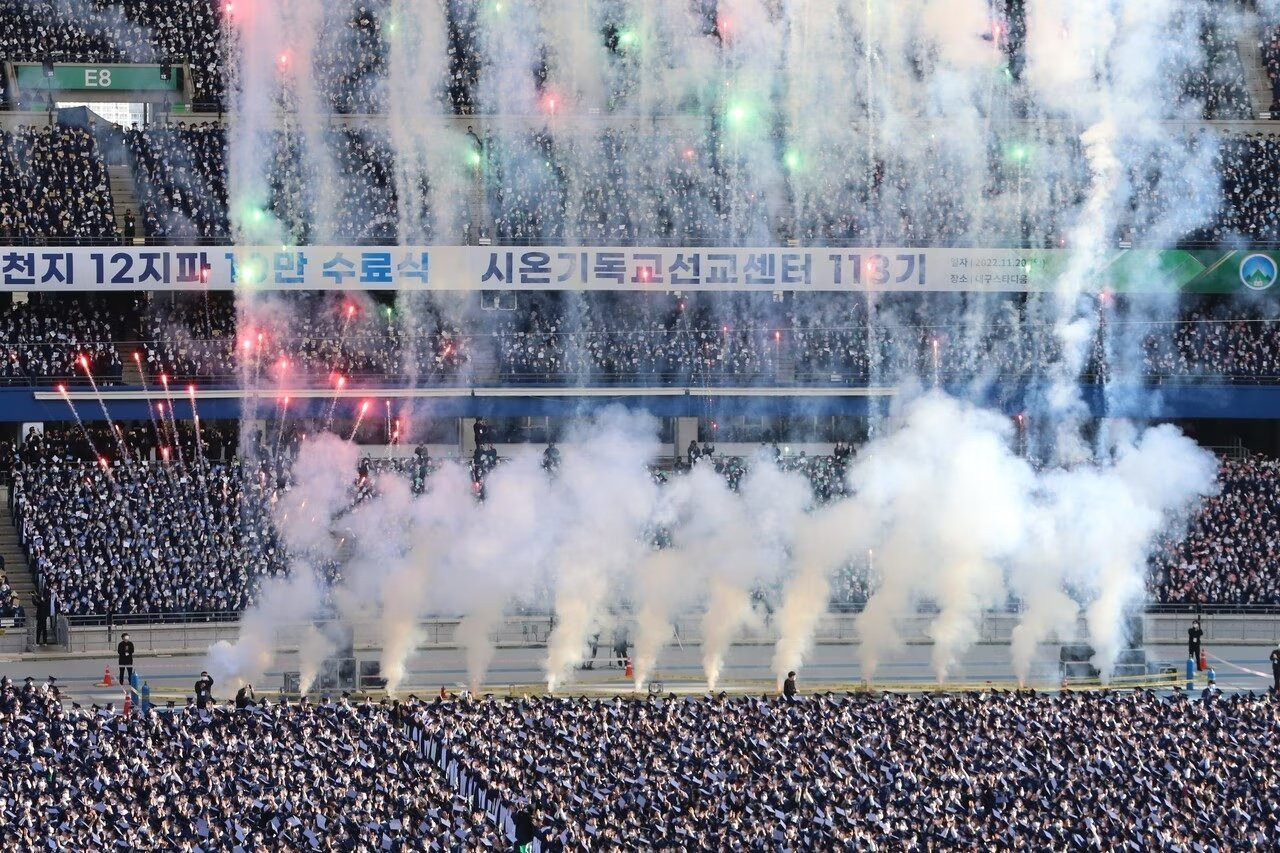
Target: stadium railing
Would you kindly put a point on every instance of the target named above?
(172, 632)
(19, 241)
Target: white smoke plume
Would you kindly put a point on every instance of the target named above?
(607, 496)
(283, 602)
(755, 546)
(824, 540)
(323, 473)
(950, 497)
(502, 556)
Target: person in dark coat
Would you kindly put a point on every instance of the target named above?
(1193, 641)
(524, 827)
(789, 686)
(245, 698)
(204, 690)
(1275, 668)
(42, 617)
(124, 657)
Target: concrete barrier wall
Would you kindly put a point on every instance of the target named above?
(995, 628)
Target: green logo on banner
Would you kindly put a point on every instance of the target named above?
(1258, 272)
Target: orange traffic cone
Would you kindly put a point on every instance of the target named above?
(1204, 660)
(629, 671)
(128, 702)
(106, 677)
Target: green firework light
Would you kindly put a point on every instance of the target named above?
(792, 160)
(252, 272)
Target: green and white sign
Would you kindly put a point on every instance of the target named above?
(105, 77)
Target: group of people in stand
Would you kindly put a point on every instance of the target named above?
(991, 769)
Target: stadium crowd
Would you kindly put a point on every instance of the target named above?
(997, 770)
(134, 523)
(45, 340)
(809, 339)
(141, 536)
(990, 770)
(312, 336)
(1231, 553)
(1269, 48)
(653, 188)
(53, 186)
(333, 775)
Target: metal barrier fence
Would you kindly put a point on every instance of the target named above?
(1219, 628)
(196, 632)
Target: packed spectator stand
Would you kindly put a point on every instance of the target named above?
(180, 169)
(1230, 555)
(627, 186)
(991, 770)
(1269, 49)
(44, 341)
(618, 338)
(689, 338)
(277, 775)
(309, 337)
(53, 186)
(131, 522)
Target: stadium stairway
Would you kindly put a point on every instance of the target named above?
(15, 562)
(124, 197)
(1248, 36)
(130, 372)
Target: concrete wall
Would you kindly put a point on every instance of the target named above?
(996, 628)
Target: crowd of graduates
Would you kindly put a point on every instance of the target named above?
(609, 338)
(53, 186)
(42, 341)
(652, 188)
(1231, 553)
(334, 775)
(134, 521)
(310, 338)
(126, 534)
(1269, 48)
(991, 770)
(612, 186)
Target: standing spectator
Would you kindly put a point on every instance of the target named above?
(204, 690)
(1193, 641)
(1275, 669)
(524, 826)
(42, 617)
(789, 686)
(124, 657)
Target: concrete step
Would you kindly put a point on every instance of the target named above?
(124, 196)
(131, 374)
(16, 569)
(1248, 34)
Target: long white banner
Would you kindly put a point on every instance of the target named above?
(515, 268)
